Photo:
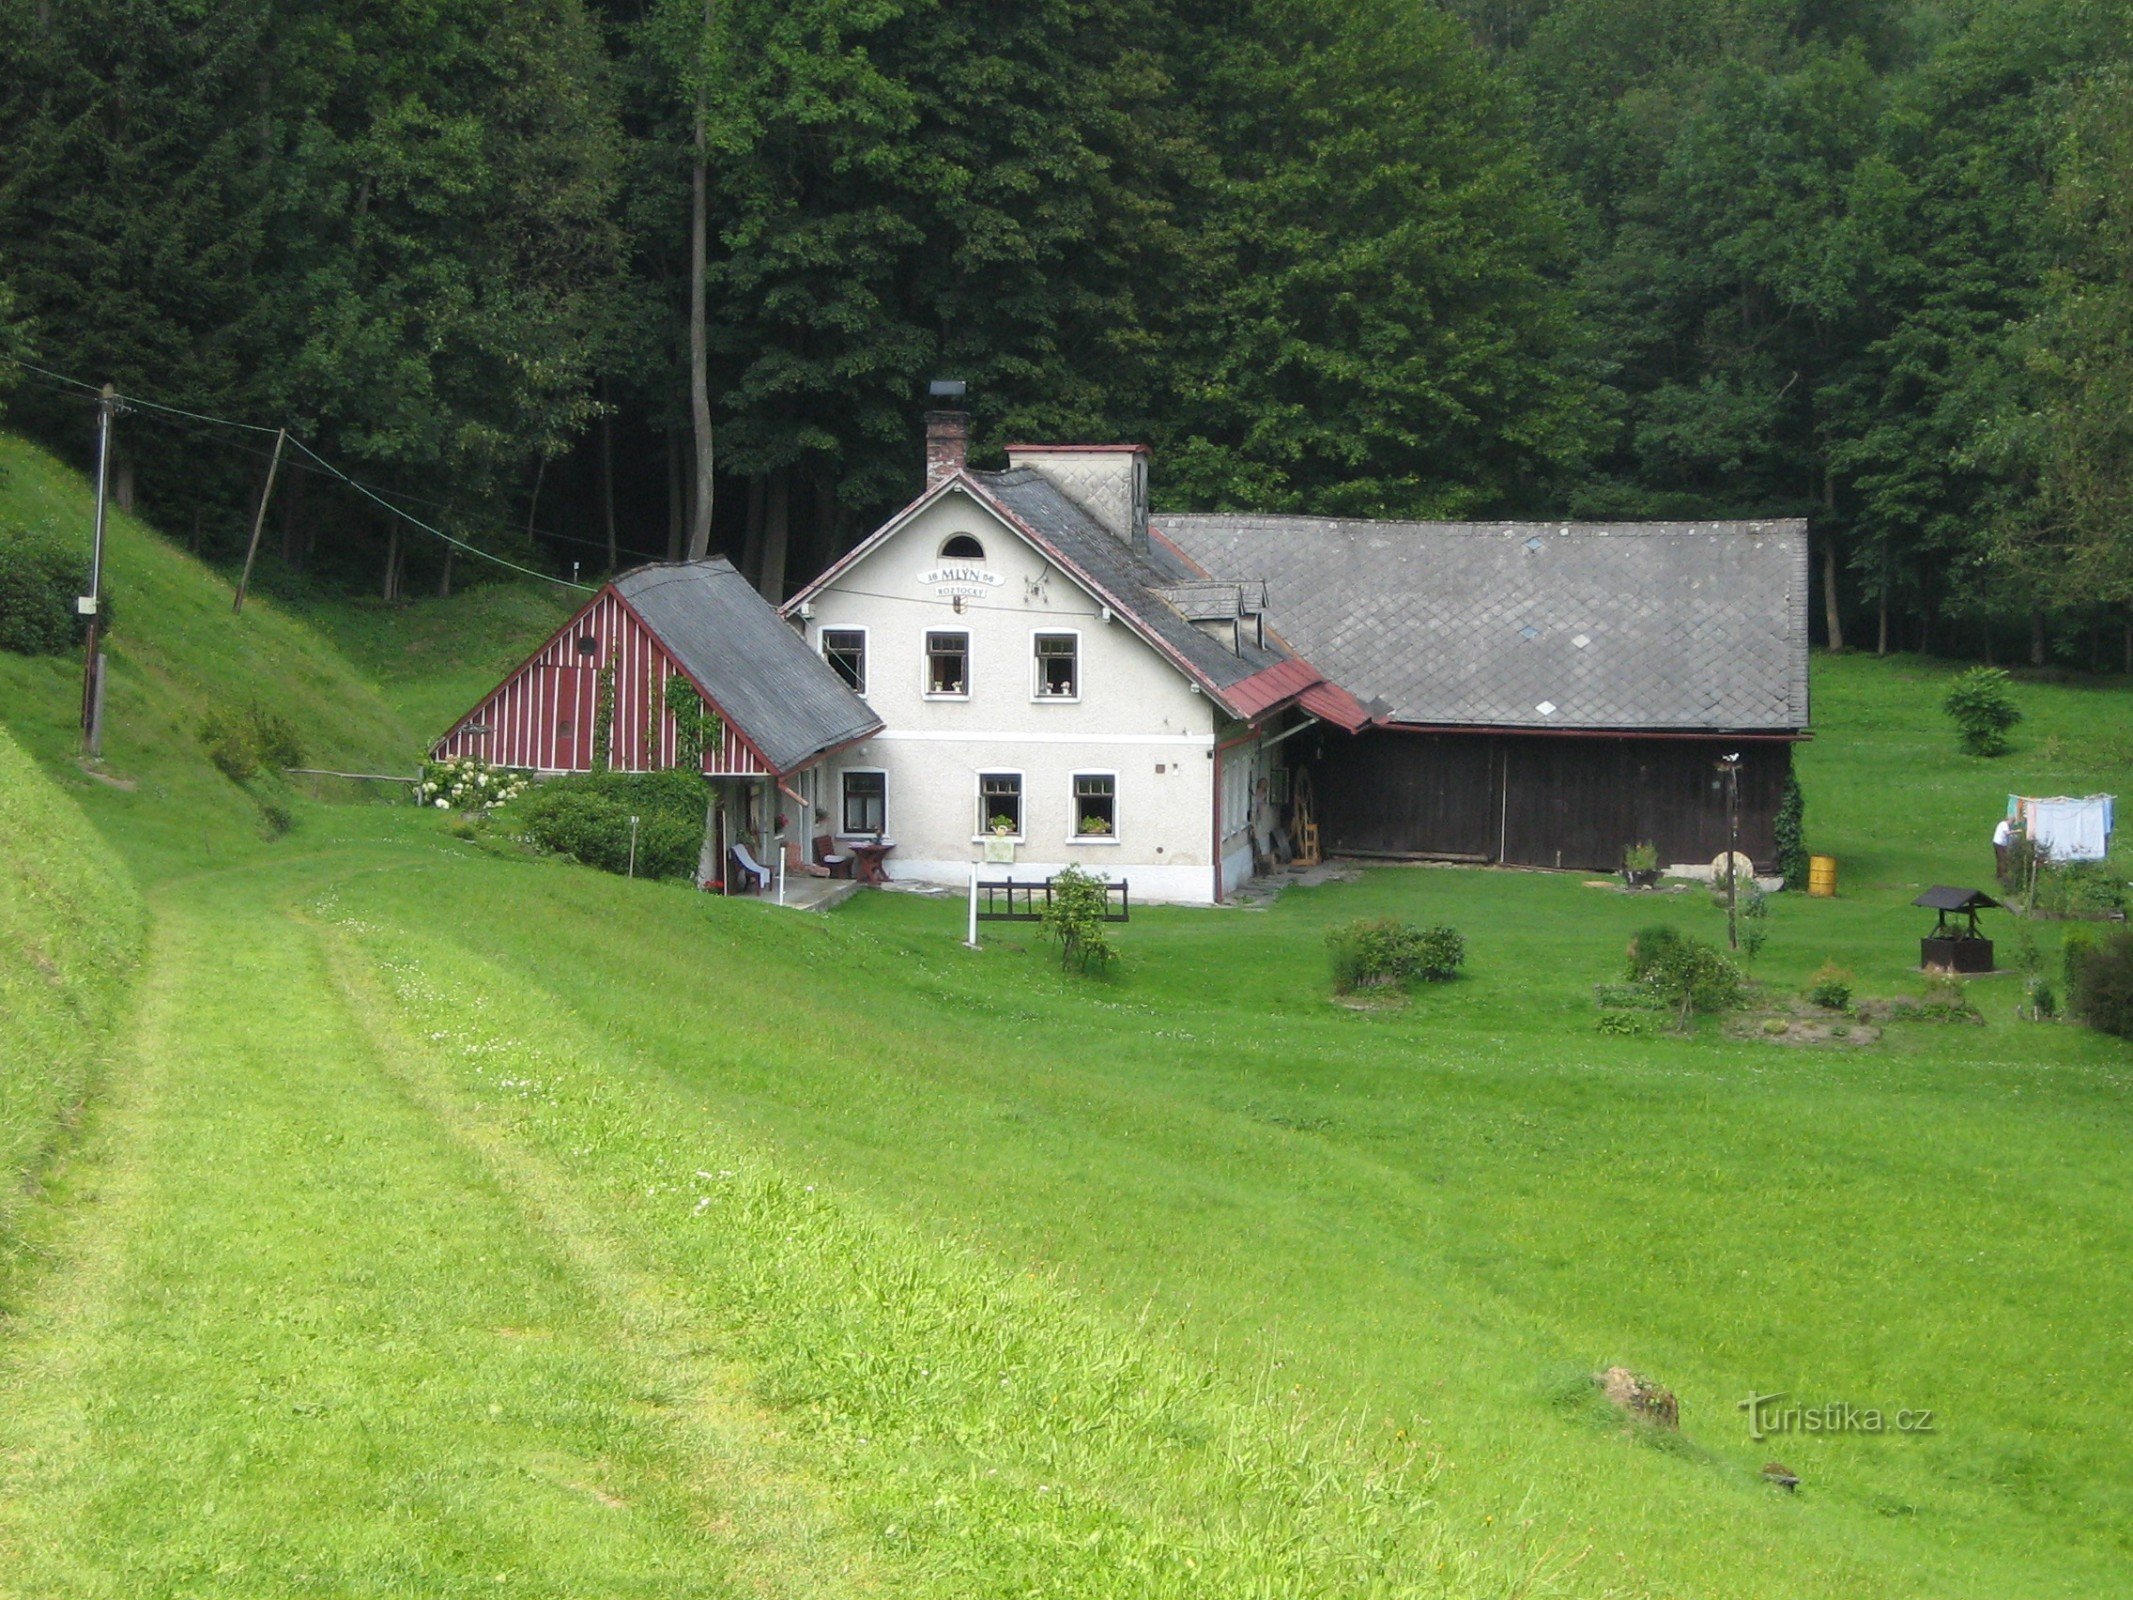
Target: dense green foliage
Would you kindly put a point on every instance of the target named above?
(245, 740)
(1690, 975)
(587, 816)
(1981, 704)
(40, 578)
(1373, 951)
(1864, 263)
(2099, 980)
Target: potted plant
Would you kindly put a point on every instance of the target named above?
(1640, 865)
(1001, 827)
(1095, 827)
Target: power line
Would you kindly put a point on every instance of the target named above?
(325, 465)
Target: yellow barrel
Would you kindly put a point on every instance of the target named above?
(1822, 877)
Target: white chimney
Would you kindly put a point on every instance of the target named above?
(1108, 481)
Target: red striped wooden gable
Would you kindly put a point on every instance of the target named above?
(541, 717)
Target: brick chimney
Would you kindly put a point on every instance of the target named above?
(947, 444)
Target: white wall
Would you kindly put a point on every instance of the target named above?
(1136, 716)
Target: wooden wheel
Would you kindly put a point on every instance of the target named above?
(1303, 817)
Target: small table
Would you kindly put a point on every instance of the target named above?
(872, 856)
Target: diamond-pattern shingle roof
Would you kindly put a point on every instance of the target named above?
(1676, 626)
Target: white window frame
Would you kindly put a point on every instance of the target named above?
(925, 665)
(977, 797)
(866, 651)
(1036, 667)
(1074, 833)
(842, 831)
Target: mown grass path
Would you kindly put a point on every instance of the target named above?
(299, 1337)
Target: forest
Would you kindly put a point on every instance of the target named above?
(590, 282)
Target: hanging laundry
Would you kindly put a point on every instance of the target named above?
(2066, 828)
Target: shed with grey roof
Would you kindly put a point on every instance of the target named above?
(1547, 694)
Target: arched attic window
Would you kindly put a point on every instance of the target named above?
(962, 547)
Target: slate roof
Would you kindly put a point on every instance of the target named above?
(783, 698)
(1134, 580)
(1665, 626)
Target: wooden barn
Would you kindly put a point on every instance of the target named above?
(1542, 694)
(606, 676)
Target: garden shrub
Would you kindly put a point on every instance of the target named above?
(2099, 981)
(1981, 702)
(2082, 886)
(1074, 915)
(1690, 975)
(40, 577)
(1947, 1001)
(586, 816)
(466, 783)
(1790, 827)
(1374, 951)
(1830, 988)
(241, 740)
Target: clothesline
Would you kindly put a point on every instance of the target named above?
(2066, 827)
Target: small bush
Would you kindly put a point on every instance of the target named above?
(1947, 1001)
(240, 741)
(586, 816)
(1830, 988)
(1981, 702)
(1373, 951)
(1642, 857)
(40, 577)
(2082, 886)
(2043, 1000)
(1074, 915)
(2099, 981)
(1688, 974)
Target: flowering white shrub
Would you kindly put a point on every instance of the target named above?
(466, 783)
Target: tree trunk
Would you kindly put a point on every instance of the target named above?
(122, 479)
(824, 549)
(390, 588)
(1881, 631)
(533, 503)
(607, 477)
(2129, 644)
(699, 350)
(677, 531)
(444, 578)
(2036, 636)
(777, 525)
(1829, 594)
(752, 537)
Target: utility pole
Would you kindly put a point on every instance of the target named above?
(91, 605)
(1730, 766)
(258, 522)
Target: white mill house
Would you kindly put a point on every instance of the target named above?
(1053, 680)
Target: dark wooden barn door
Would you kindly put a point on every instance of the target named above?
(570, 711)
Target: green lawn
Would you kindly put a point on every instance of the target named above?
(462, 1223)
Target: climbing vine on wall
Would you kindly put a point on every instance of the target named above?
(1790, 826)
(603, 749)
(696, 726)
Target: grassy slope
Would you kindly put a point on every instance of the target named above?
(1449, 1214)
(434, 659)
(175, 650)
(464, 1083)
(70, 931)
